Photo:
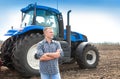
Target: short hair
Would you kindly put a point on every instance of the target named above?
(46, 28)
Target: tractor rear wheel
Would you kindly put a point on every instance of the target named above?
(23, 55)
(89, 58)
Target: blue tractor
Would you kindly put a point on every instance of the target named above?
(18, 51)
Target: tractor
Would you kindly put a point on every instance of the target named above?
(18, 51)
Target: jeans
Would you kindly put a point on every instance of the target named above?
(50, 76)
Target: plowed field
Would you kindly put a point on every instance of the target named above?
(108, 68)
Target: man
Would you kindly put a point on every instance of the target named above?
(48, 52)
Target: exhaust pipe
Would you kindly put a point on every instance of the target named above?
(68, 29)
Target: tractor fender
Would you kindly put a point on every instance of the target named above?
(81, 47)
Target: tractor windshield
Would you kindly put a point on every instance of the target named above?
(27, 18)
(44, 18)
(47, 19)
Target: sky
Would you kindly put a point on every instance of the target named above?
(99, 20)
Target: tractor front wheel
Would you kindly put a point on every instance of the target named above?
(88, 58)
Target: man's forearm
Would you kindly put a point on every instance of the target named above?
(45, 58)
(50, 56)
(54, 55)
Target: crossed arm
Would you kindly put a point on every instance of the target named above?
(50, 56)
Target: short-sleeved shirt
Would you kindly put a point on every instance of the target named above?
(50, 66)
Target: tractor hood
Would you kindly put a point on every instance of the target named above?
(14, 32)
(76, 36)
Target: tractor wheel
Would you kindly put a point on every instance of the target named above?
(89, 58)
(23, 55)
(6, 52)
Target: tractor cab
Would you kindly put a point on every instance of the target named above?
(34, 15)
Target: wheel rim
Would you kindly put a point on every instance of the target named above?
(33, 63)
(91, 57)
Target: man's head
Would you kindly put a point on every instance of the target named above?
(48, 32)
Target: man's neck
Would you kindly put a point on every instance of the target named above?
(48, 40)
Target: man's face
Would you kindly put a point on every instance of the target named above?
(49, 33)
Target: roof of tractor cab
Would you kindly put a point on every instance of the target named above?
(31, 7)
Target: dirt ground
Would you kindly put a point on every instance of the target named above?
(108, 68)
